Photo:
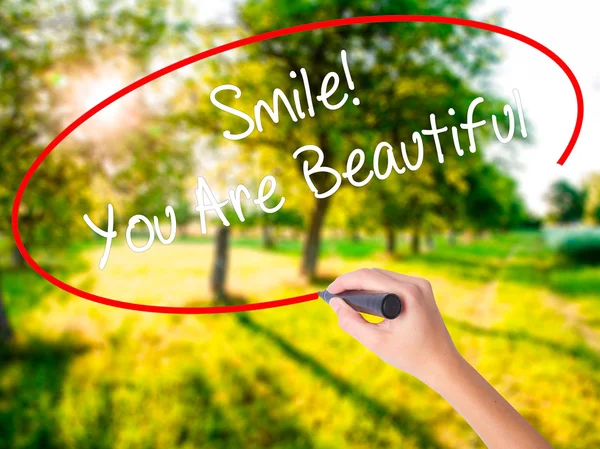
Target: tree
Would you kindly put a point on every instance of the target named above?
(20, 60)
(38, 45)
(352, 212)
(566, 202)
(219, 271)
(489, 199)
(383, 59)
(592, 202)
(153, 168)
(287, 217)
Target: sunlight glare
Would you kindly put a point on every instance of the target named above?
(84, 91)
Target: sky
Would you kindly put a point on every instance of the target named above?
(569, 30)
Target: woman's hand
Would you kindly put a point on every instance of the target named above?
(416, 342)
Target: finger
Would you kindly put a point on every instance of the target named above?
(423, 283)
(353, 323)
(398, 276)
(366, 279)
(363, 279)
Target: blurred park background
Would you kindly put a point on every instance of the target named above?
(519, 289)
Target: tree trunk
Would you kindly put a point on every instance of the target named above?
(429, 241)
(416, 241)
(17, 257)
(183, 230)
(452, 237)
(268, 241)
(355, 236)
(313, 239)
(5, 330)
(390, 245)
(219, 273)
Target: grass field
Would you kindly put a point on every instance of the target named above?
(82, 375)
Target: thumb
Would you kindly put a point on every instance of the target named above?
(352, 322)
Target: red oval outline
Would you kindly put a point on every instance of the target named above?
(230, 46)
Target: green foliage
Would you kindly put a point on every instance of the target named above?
(392, 83)
(592, 201)
(40, 42)
(492, 201)
(152, 169)
(21, 61)
(566, 202)
(580, 245)
(46, 50)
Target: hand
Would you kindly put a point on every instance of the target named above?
(416, 342)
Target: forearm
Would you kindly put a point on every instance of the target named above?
(496, 422)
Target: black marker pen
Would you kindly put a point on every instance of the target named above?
(385, 305)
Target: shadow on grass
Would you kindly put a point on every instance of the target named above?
(480, 260)
(32, 376)
(576, 281)
(263, 405)
(33, 387)
(521, 259)
(465, 266)
(214, 426)
(581, 352)
(323, 279)
(593, 323)
(403, 420)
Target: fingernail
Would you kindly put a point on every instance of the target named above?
(335, 304)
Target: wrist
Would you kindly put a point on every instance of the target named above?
(447, 372)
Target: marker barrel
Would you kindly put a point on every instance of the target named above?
(385, 305)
